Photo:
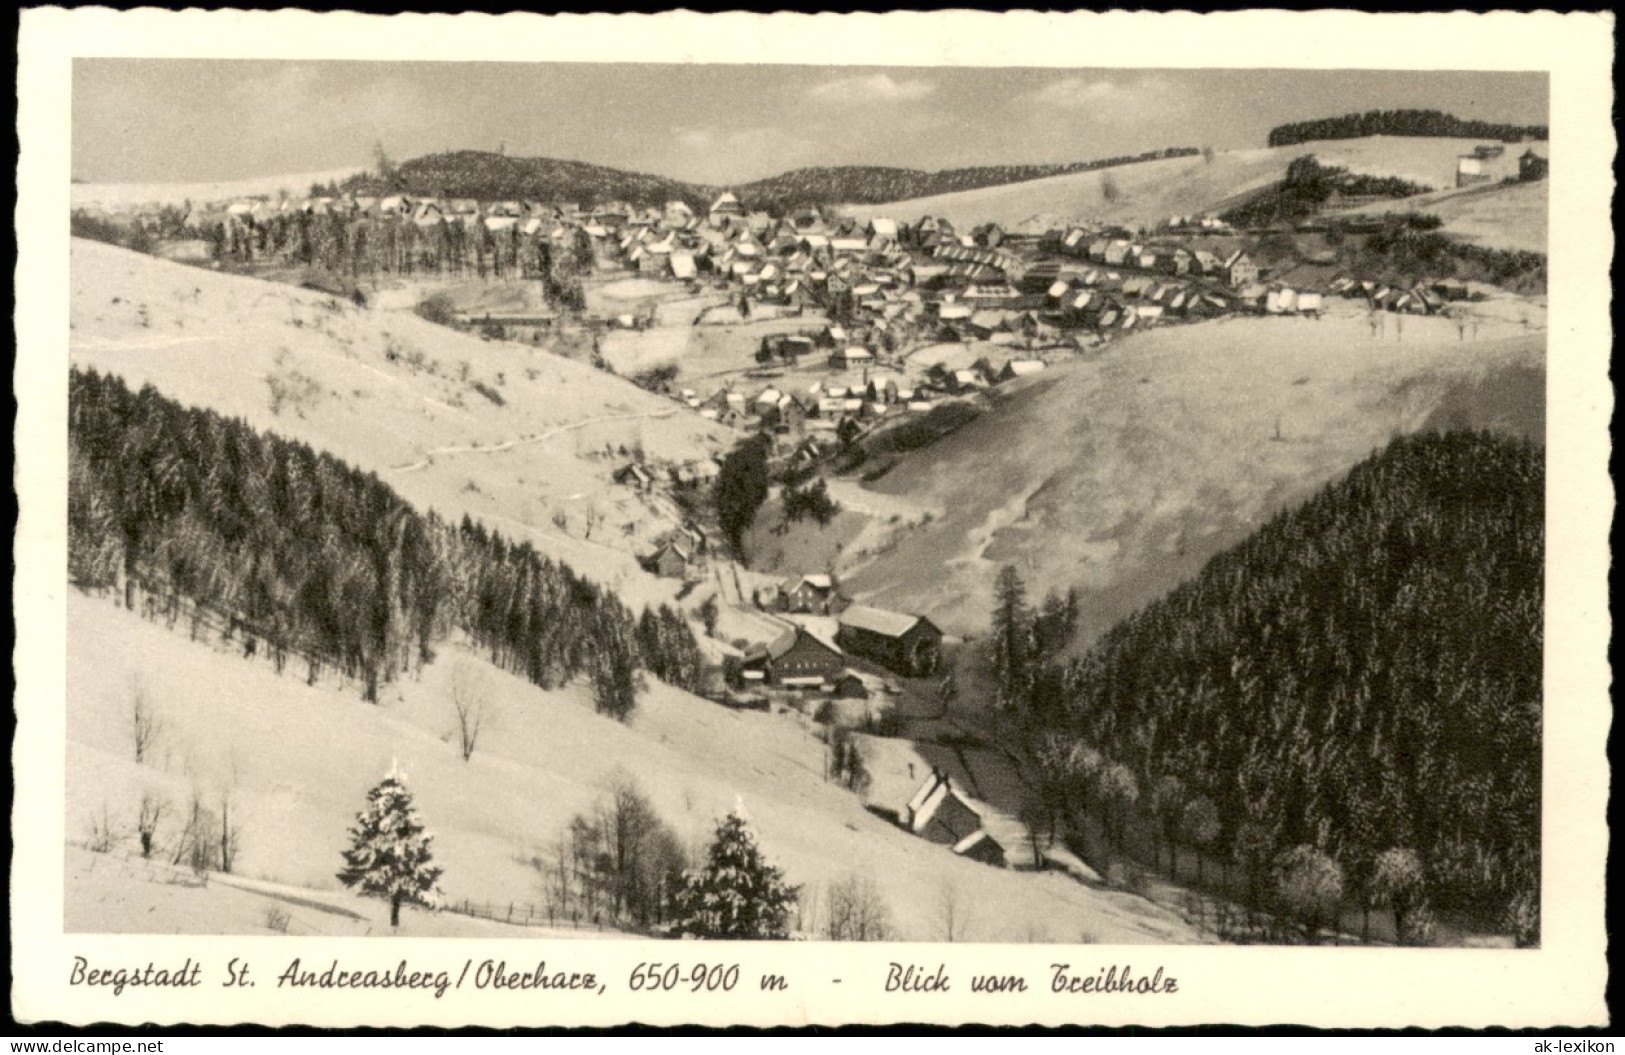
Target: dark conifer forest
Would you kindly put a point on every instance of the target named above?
(279, 547)
(488, 176)
(1361, 676)
(1399, 123)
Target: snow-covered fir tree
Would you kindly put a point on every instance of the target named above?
(389, 855)
(737, 894)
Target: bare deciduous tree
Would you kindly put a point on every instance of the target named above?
(104, 835)
(146, 724)
(196, 845)
(856, 911)
(153, 808)
(469, 701)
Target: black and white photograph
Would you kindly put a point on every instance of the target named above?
(1027, 505)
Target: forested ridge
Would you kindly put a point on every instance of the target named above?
(876, 184)
(1360, 678)
(488, 176)
(1399, 123)
(313, 559)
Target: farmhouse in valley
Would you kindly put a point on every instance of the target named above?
(937, 813)
(1240, 269)
(672, 559)
(908, 644)
(798, 659)
(814, 594)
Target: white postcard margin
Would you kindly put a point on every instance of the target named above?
(1559, 984)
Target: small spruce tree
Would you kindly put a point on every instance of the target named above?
(737, 895)
(389, 856)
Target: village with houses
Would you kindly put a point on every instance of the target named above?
(872, 297)
(831, 358)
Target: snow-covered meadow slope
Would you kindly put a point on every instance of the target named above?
(1122, 473)
(297, 761)
(518, 438)
(1150, 192)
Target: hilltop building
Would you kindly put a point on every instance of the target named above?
(1532, 167)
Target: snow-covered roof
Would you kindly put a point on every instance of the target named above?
(971, 840)
(936, 790)
(878, 620)
(918, 801)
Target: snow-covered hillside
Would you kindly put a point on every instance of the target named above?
(1121, 474)
(522, 439)
(1152, 191)
(297, 762)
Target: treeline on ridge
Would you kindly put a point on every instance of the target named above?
(1360, 678)
(875, 185)
(1400, 123)
(294, 549)
(488, 176)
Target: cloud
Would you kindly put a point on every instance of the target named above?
(879, 87)
(1110, 99)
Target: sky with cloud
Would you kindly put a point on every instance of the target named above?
(183, 120)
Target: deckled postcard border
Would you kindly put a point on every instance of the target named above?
(1559, 984)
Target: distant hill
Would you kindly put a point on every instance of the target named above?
(488, 176)
(1399, 123)
(870, 184)
(1152, 191)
